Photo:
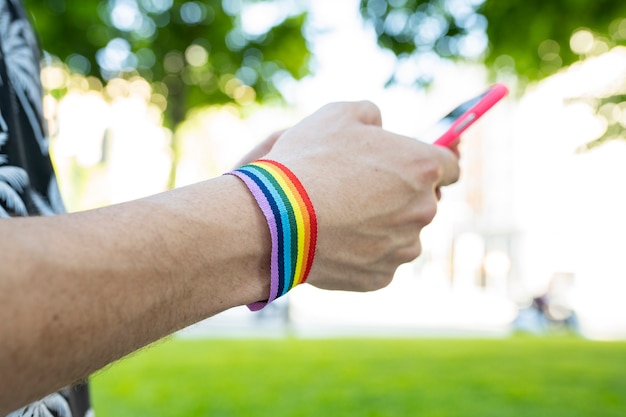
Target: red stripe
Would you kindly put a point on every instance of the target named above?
(310, 209)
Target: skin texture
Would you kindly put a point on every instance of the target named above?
(79, 291)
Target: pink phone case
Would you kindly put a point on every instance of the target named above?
(467, 113)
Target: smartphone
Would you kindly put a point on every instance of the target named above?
(447, 130)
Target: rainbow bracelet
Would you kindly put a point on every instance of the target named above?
(291, 219)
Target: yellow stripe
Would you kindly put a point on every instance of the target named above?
(302, 225)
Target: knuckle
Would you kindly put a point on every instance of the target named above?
(431, 210)
(369, 106)
(410, 253)
(428, 210)
(381, 280)
(370, 110)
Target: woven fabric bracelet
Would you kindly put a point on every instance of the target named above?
(291, 219)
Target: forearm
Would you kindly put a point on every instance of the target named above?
(81, 290)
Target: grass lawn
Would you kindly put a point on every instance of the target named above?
(518, 376)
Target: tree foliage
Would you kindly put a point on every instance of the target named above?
(195, 52)
(533, 35)
(530, 38)
(541, 36)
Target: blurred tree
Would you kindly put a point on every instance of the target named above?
(192, 52)
(531, 38)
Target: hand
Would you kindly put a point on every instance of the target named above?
(373, 192)
(131, 283)
(260, 150)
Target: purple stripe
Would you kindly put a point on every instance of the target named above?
(264, 204)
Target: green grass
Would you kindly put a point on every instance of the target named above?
(519, 376)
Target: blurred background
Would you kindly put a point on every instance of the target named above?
(146, 95)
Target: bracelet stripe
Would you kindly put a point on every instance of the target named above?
(303, 201)
(291, 219)
(281, 209)
(296, 222)
(309, 235)
(310, 222)
(270, 211)
(290, 226)
(302, 218)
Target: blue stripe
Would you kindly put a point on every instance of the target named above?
(280, 213)
(291, 232)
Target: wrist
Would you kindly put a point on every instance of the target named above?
(291, 221)
(246, 245)
(220, 243)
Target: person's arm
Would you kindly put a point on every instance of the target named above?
(79, 291)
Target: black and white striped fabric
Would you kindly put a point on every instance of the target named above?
(27, 182)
